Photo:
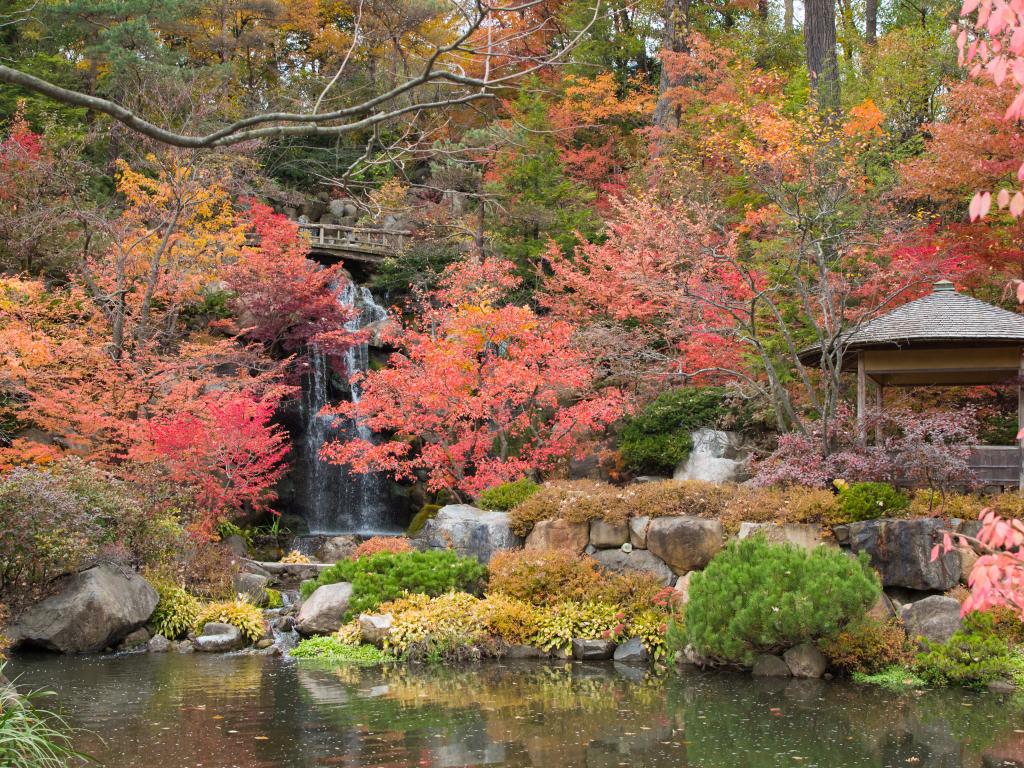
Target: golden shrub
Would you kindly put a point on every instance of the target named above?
(575, 500)
(1009, 505)
(423, 625)
(241, 614)
(695, 498)
(965, 506)
(544, 577)
(296, 558)
(375, 544)
(514, 621)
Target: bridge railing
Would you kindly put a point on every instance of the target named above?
(340, 237)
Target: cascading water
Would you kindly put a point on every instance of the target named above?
(338, 501)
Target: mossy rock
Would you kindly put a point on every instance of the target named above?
(427, 512)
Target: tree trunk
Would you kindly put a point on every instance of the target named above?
(675, 39)
(762, 10)
(871, 21)
(787, 16)
(820, 42)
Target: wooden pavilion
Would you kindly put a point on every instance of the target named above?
(942, 339)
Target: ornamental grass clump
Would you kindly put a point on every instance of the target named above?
(241, 614)
(31, 737)
(755, 597)
(387, 576)
(176, 612)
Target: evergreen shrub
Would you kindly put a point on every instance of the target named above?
(870, 501)
(505, 496)
(974, 656)
(756, 597)
(657, 438)
(387, 576)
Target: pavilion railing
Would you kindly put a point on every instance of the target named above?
(998, 465)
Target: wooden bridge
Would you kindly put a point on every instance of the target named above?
(369, 244)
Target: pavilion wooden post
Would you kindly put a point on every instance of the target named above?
(862, 385)
(1020, 419)
(879, 402)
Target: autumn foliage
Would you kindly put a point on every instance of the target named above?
(478, 392)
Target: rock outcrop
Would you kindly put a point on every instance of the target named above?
(92, 610)
(935, 618)
(323, 611)
(563, 535)
(218, 637)
(901, 551)
(636, 561)
(471, 532)
(685, 543)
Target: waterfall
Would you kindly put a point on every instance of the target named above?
(338, 501)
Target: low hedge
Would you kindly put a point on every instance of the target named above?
(584, 500)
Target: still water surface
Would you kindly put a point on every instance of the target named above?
(171, 711)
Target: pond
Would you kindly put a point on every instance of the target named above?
(194, 711)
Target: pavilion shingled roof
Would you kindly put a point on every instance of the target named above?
(940, 318)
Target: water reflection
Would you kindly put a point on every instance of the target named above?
(219, 712)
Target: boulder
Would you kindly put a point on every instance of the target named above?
(335, 548)
(716, 457)
(883, 609)
(218, 637)
(901, 551)
(604, 535)
(559, 534)
(237, 545)
(767, 665)
(185, 646)
(592, 650)
(685, 543)
(251, 585)
(807, 536)
(134, 640)
(92, 610)
(471, 532)
(638, 531)
(158, 644)
(375, 627)
(636, 561)
(631, 652)
(323, 612)
(805, 660)
(682, 589)
(935, 618)
(520, 651)
(968, 558)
